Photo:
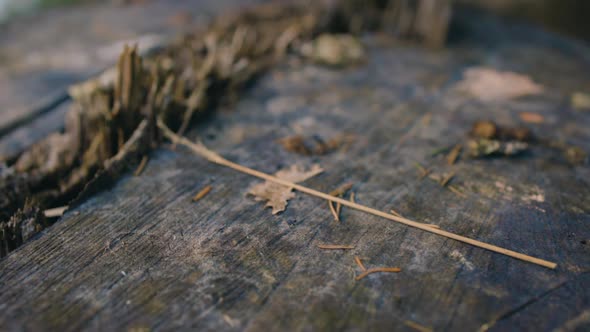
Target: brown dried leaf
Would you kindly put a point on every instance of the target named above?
(489, 84)
(277, 195)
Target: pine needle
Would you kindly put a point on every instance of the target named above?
(378, 269)
(202, 193)
(358, 261)
(334, 246)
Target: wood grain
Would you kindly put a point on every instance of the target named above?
(142, 255)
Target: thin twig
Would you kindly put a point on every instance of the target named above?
(213, 157)
(141, 166)
(202, 193)
(378, 269)
(358, 261)
(352, 197)
(334, 246)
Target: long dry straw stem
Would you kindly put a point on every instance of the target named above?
(201, 150)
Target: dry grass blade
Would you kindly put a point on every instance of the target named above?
(201, 150)
(378, 269)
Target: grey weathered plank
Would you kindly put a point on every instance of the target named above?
(142, 255)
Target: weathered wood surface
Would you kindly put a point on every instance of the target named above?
(143, 255)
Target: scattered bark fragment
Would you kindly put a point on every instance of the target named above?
(358, 261)
(202, 193)
(314, 145)
(335, 247)
(488, 84)
(446, 179)
(276, 195)
(485, 147)
(581, 101)
(378, 269)
(55, 212)
(141, 166)
(454, 154)
(575, 155)
(490, 130)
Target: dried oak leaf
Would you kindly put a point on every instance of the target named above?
(488, 84)
(277, 195)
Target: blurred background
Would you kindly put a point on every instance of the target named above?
(563, 16)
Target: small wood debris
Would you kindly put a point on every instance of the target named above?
(141, 166)
(335, 247)
(276, 195)
(314, 145)
(376, 270)
(334, 50)
(531, 117)
(202, 193)
(490, 130)
(358, 261)
(488, 84)
(580, 101)
(424, 172)
(55, 212)
(575, 155)
(454, 154)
